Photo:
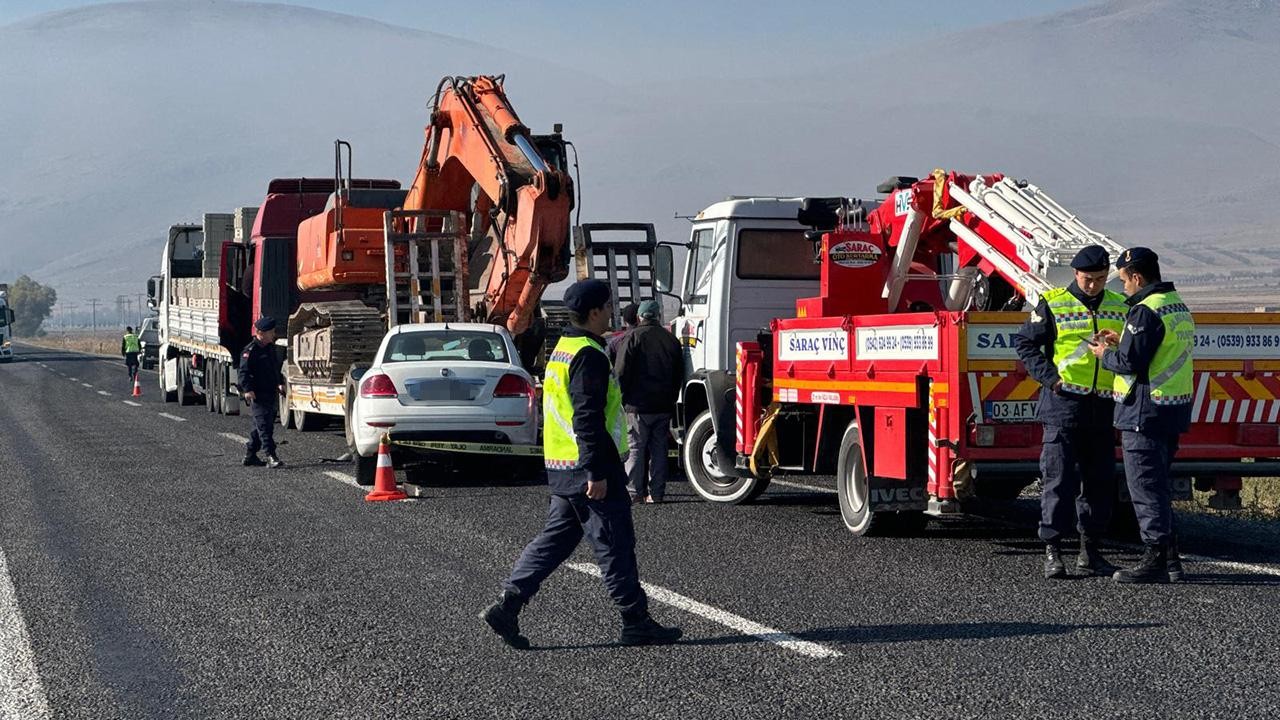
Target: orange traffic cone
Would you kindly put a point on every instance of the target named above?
(384, 480)
(137, 387)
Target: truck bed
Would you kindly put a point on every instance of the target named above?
(193, 317)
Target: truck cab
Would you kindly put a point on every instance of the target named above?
(6, 325)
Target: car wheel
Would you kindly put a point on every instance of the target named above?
(366, 468)
(707, 479)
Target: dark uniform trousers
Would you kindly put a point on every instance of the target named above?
(607, 526)
(1148, 459)
(1077, 468)
(263, 409)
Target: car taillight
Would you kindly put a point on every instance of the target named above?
(512, 386)
(378, 386)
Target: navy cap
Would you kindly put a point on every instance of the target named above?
(1091, 258)
(1136, 255)
(586, 295)
(265, 323)
(651, 309)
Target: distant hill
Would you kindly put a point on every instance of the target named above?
(1158, 121)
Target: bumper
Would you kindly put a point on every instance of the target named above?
(1181, 468)
(368, 437)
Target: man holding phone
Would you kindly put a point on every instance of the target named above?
(1077, 459)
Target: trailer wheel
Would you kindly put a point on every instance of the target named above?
(707, 480)
(285, 415)
(307, 421)
(366, 468)
(853, 486)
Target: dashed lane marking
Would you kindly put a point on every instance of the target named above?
(21, 692)
(802, 486)
(344, 478)
(87, 385)
(104, 392)
(235, 437)
(131, 403)
(74, 379)
(174, 418)
(723, 617)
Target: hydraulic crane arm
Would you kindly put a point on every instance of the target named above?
(481, 160)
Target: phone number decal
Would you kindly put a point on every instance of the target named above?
(1236, 342)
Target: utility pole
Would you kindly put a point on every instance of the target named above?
(93, 304)
(140, 306)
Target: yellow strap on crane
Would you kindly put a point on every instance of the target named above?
(939, 189)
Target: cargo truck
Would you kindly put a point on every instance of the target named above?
(6, 325)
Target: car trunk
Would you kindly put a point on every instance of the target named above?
(454, 383)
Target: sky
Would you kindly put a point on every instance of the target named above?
(646, 41)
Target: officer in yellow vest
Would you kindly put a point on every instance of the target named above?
(130, 346)
(1153, 387)
(1077, 458)
(584, 441)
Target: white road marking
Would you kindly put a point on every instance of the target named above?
(801, 486)
(86, 385)
(235, 437)
(104, 392)
(342, 477)
(723, 617)
(174, 418)
(21, 692)
(1233, 565)
(131, 403)
(74, 379)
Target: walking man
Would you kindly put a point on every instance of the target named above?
(650, 369)
(584, 441)
(1151, 359)
(1077, 458)
(630, 318)
(130, 347)
(261, 385)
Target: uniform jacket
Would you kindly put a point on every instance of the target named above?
(589, 375)
(260, 370)
(650, 369)
(1034, 343)
(1144, 331)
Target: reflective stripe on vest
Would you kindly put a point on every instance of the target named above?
(1170, 375)
(131, 344)
(1078, 369)
(559, 441)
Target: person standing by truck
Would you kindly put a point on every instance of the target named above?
(583, 442)
(130, 346)
(261, 384)
(650, 369)
(1154, 388)
(1077, 458)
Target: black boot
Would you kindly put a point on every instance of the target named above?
(1174, 563)
(251, 459)
(1054, 568)
(647, 631)
(504, 618)
(273, 461)
(1090, 560)
(1151, 568)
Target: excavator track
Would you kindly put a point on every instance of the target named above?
(326, 339)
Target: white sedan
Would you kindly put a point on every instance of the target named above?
(459, 382)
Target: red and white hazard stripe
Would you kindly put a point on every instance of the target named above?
(739, 402)
(1238, 405)
(934, 459)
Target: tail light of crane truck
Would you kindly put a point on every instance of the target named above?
(514, 386)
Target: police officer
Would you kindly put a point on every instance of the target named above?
(130, 346)
(584, 440)
(260, 385)
(1077, 458)
(1151, 359)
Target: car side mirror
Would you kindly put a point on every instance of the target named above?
(663, 268)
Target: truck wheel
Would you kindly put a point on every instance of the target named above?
(210, 380)
(853, 487)
(168, 395)
(185, 396)
(366, 468)
(285, 413)
(307, 421)
(707, 480)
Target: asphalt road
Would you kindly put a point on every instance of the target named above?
(149, 575)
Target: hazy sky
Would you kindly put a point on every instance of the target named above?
(649, 39)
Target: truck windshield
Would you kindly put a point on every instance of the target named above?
(450, 345)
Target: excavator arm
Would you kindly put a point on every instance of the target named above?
(481, 160)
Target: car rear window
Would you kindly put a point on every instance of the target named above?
(452, 345)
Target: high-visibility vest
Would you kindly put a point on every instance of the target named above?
(1170, 375)
(1080, 371)
(559, 442)
(131, 344)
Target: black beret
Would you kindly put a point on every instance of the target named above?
(1136, 255)
(586, 295)
(1091, 258)
(265, 323)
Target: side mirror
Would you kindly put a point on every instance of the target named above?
(663, 268)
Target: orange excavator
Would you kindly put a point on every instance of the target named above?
(480, 163)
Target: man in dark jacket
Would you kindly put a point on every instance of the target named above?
(261, 383)
(630, 318)
(583, 442)
(1077, 458)
(1154, 390)
(650, 369)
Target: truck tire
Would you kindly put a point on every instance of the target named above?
(210, 384)
(706, 479)
(366, 468)
(307, 421)
(168, 395)
(284, 414)
(185, 395)
(853, 485)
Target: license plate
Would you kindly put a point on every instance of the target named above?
(1011, 410)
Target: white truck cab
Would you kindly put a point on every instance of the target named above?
(6, 325)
